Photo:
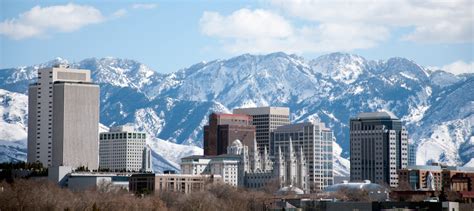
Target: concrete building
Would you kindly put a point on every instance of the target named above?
(196, 165)
(224, 165)
(146, 160)
(225, 128)
(185, 183)
(63, 118)
(421, 178)
(379, 147)
(437, 177)
(315, 141)
(80, 181)
(411, 154)
(121, 149)
(266, 120)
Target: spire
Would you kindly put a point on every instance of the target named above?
(265, 153)
(290, 150)
(255, 149)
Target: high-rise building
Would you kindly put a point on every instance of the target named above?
(315, 141)
(411, 154)
(266, 120)
(379, 147)
(122, 149)
(225, 128)
(146, 160)
(63, 118)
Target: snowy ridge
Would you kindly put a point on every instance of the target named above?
(174, 107)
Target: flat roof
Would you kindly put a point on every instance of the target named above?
(376, 115)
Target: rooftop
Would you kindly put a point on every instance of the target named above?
(366, 185)
(377, 115)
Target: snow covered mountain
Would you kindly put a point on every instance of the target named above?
(437, 107)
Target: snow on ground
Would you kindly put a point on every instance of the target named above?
(341, 165)
(171, 151)
(444, 143)
(470, 163)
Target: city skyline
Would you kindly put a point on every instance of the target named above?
(169, 36)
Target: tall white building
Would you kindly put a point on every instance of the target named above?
(266, 120)
(63, 118)
(224, 165)
(122, 149)
(314, 141)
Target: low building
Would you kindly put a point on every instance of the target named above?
(421, 177)
(438, 178)
(80, 181)
(185, 183)
(375, 192)
(322, 205)
(239, 167)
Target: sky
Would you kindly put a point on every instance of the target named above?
(171, 35)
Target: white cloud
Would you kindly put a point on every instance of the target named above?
(39, 21)
(144, 6)
(457, 67)
(263, 31)
(119, 13)
(433, 20)
(245, 24)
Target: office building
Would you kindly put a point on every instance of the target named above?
(315, 141)
(379, 147)
(225, 128)
(63, 118)
(411, 154)
(81, 181)
(421, 178)
(146, 160)
(122, 149)
(184, 183)
(266, 120)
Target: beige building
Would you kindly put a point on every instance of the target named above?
(314, 141)
(266, 120)
(63, 118)
(121, 149)
(184, 183)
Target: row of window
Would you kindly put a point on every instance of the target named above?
(104, 136)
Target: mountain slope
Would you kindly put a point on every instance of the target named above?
(174, 107)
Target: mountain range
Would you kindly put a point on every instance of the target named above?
(436, 106)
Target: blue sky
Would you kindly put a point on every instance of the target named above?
(169, 35)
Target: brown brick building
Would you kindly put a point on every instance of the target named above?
(445, 178)
(223, 129)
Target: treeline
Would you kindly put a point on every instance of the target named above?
(10, 170)
(44, 195)
(41, 194)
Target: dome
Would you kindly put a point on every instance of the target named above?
(289, 190)
(237, 143)
(366, 185)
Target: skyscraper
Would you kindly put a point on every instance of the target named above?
(63, 118)
(315, 142)
(223, 129)
(379, 147)
(266, 120)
